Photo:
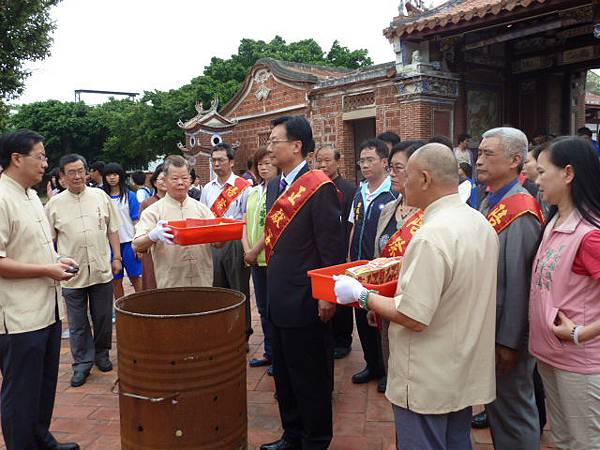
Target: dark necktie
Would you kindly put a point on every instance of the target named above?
(282, 185)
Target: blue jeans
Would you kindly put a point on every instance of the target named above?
(259, 278)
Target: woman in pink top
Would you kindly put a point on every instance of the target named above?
(564, 307)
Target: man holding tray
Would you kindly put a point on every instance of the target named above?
(175, 266)
(303, 231)
(442, 318)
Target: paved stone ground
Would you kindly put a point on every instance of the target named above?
(363, 418)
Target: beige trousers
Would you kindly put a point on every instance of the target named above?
(573, 401)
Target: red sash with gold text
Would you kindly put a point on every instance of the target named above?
(228, 196)
(288, 204)
(397, 244)
(511, 208)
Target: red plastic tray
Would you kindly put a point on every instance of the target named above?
(323, 284)
(204, 231)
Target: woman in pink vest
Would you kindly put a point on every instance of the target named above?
(564, 307)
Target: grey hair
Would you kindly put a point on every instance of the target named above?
(336, 153)
(175, 161)
(513, 140)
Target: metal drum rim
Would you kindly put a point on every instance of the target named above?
(178, 316)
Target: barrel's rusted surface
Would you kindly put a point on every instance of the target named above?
(182, 369)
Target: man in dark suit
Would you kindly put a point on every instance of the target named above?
(328, 160)
(309, 238)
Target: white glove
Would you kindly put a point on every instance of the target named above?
(161, 233)
(347, 289)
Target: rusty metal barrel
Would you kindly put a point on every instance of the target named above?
(182, 369)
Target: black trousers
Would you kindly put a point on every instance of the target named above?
(370, 340)
(343, 325)
(303, 371)
(29, 364)
(230, 272)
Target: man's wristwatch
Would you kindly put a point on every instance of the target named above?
(118, 258)
(363, 299)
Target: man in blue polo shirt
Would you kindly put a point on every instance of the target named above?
(368, 203)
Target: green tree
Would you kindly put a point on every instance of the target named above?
(592, 83)
(68, 127)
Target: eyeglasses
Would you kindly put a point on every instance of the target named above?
(271, 142)
(42, 158)
(369, 161)
(219, 160)
(74, 173)
(398, 168)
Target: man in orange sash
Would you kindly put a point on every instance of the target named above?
(510, 209)
(226, 196)
(302, 232)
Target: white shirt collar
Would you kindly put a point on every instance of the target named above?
(230, 181)
(290, 177)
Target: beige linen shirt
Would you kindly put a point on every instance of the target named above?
(80, 224)
(175, 265)
(26, 304)
(448, 283)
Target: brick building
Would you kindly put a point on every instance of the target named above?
(466, 65)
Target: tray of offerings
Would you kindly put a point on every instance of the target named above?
(205, 231)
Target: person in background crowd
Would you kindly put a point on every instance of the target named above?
(160, 189)
(254, 248)
(540, 137)
(128, 206)
(392, 218)
(529, 173)
(462, 151)
(328, 160)
(586, 133)
(302, 232)
(55, 184)
(516, 217)
(565, 289)
(143, 185)
(374, 193)
(227, 196)
(465, 173)
(442, 316)
(85, 225)
(249, 173)
(175, 265)
(390, 138)
(195, 191)
(96, 172)
(31, 302)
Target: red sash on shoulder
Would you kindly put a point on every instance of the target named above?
(397, 244)
(228, 196)
(511, 208)
(288, 204)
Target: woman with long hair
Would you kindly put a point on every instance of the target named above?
(157, 180)
(253, 242)
(115, 185)
(564, 307)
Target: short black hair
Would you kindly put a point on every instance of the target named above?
(21, 141)
(463, 137)
(439, 139)
(138, 177)
(297, 128)
(409, 147)
(228, 149)
(466, 168)
(584, 131)
(389, 136)
(70, 158)
(98, 166)
(193, 175)
(378, 145)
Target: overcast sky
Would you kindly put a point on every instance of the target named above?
(137, 45)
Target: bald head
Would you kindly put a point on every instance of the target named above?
(439, 161)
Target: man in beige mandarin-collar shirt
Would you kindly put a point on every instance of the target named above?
(31, 304)
(85, 224)
(174, 265)
(442, 332)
